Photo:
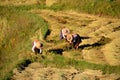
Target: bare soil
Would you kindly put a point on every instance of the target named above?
(36, 71)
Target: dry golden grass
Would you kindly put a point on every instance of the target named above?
(102, 47)
(102, 33)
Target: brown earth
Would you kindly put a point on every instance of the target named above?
(36, 71)
(102, 46)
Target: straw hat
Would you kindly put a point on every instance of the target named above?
(69, 38)
(65, 31)
(37, 44)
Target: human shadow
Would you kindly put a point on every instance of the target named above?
(101, 42)
(84, 37)
(47, 33)
(21, 66)
(89, 45)
(56, 51)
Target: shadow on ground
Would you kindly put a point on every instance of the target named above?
(56, 51)
(101, 42)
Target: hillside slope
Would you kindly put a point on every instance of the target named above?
(103, 43)
(102, 46)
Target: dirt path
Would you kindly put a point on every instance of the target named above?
(102, 46)
(36, 71)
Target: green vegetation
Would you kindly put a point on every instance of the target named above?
(98, 7)
(28, 7)
(109, 8)
(16, 27)
(59, 61)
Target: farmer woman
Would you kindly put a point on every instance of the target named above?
(64, 32)
(37, 47)
(74, 39)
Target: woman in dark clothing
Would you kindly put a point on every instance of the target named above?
(74, 39)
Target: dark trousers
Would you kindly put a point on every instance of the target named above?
(37, 51)
(77, 41)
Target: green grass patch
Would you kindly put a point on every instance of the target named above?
(101, 7)
(28, 7)
(59, 61)
(16, 28)
(109, 8)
